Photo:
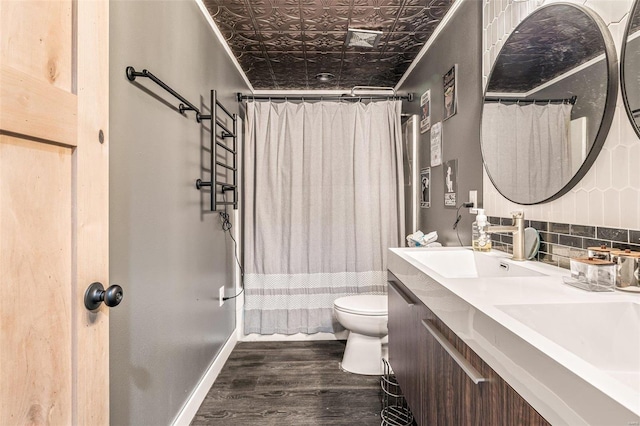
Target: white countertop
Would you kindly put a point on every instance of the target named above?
(557, 379)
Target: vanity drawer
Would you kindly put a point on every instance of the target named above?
(459, 388)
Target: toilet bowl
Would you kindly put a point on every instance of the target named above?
(365, 316)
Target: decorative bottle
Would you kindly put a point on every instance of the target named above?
(480, 238)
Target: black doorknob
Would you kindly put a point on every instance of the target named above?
(96, 294)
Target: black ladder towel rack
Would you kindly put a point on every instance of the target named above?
(216, 165)
(226, 133)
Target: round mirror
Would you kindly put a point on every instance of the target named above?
(630, 69)
(549, 103)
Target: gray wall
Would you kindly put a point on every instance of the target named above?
(460, 43)
(168, 254)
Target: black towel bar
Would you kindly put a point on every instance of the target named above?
(215, 164)
(184, 106)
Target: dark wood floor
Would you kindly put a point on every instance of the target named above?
(290, 383)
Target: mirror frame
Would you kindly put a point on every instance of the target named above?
(609, 104)
(623, 86)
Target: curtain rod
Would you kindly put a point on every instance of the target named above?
(572, 100)
(241, 97)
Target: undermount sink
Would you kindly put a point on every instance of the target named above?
(466, 263)
(606, 334)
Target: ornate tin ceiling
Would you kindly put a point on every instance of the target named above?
(283, 44)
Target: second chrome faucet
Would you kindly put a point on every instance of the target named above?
(517, 229)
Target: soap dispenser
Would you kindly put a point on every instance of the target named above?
(480, 238)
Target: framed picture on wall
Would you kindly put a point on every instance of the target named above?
(450, 170)
(450, 82)
(425, 180)
(425, 111)
(436, 144)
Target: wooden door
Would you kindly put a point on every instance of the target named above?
(54, 366)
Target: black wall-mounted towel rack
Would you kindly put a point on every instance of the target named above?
(226, 133)
(184, 106)
(218, 166)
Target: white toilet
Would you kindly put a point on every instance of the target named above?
(365, 316)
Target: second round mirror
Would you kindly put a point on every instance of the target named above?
(549, 103)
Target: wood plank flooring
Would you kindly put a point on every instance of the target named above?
(290, 383)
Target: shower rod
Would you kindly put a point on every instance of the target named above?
(345, 97)
(572, 100)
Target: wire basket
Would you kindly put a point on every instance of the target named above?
(395, 411)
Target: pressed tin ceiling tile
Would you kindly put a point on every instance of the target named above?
(283, 44)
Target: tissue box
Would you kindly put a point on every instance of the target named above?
(592, 274)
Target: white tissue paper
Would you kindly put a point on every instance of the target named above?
(419, 239)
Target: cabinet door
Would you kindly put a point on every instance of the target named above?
(404, 345)
(505, 406)
(454, 389)
(461, 389)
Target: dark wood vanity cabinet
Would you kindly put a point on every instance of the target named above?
(437, 388)
(405, 359)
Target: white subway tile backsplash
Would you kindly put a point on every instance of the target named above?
(634, 166)
(588, 182)
(596, 207)
(603, 170)
(555, 210)
(627, 135)
(617, 31)
(494, 31)
(515, 14)
(611, 11)
(485, 41)
(619, 167)
(609, 193)
(492, 10)
(486, 65)
(508, 26)
(500, 26)
(582, 214)
(629, 208)
(568, 208)
(611, 206)
(614, 132)
(485, 15)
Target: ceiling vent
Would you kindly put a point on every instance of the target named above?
(362, 38)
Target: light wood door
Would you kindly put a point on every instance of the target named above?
(54, 366)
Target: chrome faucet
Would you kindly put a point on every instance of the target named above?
(517, 229)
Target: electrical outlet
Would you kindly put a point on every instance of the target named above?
(221, 295)
(473, 198)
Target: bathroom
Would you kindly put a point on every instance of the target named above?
(170, 336)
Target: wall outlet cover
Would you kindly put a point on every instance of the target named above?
(221, 295)
(473, 198)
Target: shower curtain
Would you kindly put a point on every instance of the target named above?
(526, 148)
(323, 202)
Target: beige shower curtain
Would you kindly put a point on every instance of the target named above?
(526, 148)
(323, 202)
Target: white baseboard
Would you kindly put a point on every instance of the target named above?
(341, 335)
(198, 395)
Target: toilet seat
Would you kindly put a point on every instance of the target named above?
(364, 304)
